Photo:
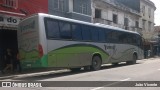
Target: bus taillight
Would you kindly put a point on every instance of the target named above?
(40, 49)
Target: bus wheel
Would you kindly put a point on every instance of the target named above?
(75, 69)
(134, 59)
(96, 63)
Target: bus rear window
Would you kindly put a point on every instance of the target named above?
(52, 29)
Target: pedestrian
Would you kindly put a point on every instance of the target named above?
(1, 59)
(149, 53)
(18, 64)
(9, 61)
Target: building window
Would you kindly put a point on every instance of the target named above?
(149, 12)
(10, 3)
(55, 4)
(59, 5)
(143, 10)
(84, 8)
(149, 26)
(115, 18)
(144, 24)
(97, 13)
(126, 21)
(137, 24)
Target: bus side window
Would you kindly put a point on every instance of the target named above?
(94, 34)
(76, 32)
(113, 36)
(108, 35)
(65, 30)
(129, 39)
(134, 39)
(123, 38)
(102, 37)
(52, 29)
(86, 34)
(139, 42)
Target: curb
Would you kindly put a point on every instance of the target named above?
(7, 77)
(39, 73)
(24, 75)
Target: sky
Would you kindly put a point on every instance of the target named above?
(157, 12)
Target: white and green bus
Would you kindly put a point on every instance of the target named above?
(52, 41)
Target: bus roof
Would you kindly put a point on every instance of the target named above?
(81, 22)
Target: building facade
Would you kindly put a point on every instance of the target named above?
(147, 18)
(134, 15)
(114, 13)
(156, 35)
(75, 9)
(146, 10)
(134, 4)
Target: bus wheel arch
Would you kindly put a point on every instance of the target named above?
(133, 59)
(96, 62)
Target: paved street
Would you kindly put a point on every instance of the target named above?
(144, 70)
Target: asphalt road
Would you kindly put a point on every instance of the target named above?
(145, 70)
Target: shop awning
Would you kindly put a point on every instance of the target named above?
(12, 13)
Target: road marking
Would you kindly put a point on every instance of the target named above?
(125, 79)
(97, 88)
(110, 84)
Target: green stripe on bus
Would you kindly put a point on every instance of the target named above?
(73, 52)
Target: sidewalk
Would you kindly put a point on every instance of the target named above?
(29, 74)
(156, 57)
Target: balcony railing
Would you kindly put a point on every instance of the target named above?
(102, 21)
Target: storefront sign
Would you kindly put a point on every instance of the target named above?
(6, 20)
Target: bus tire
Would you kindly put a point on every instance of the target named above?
(75, 69)
(134, 59)
(96, 63)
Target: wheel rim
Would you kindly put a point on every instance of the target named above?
(96, 63)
